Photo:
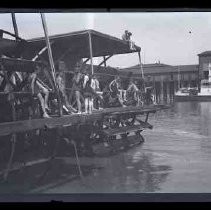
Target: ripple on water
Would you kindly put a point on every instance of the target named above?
(129, 167)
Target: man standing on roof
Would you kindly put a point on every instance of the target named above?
(127, 37)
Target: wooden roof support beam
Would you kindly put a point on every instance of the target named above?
(91, 52)
(104, 60)
(86, 61)
(41, 52)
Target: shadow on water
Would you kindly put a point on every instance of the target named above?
(31, 178)
(130, 170)
(126, 172)
(135, 172)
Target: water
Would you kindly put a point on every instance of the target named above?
(175, 157)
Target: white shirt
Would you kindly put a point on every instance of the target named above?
(95, 84)
(86, 78)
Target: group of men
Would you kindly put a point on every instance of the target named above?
(85, 90)
(132, 96)
(87, 93)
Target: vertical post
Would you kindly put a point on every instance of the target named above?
(12, 102)
(104, 59)
(167, 90)
(48, 46)
(14, 24)
(13, 137)
(179, 78)
(154, 89)
(162, 92)
(142, 71)
(91, 52)
(199, 78)
(53, 71)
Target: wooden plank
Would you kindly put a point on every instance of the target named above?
(130, 110)
(26, 125)
(122, 130)
(9, 128)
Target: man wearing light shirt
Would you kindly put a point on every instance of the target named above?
(96, 87)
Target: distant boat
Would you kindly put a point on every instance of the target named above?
(193, 94)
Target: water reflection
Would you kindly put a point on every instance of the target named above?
(174, 158)
(178, 145)
(131, 172)
(145, 175)
(197, 115)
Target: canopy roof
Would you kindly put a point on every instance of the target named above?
(77, 44)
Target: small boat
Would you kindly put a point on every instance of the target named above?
(193, 94)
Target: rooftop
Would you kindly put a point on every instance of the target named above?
(159, 68)
(205, 53)
(77, 44)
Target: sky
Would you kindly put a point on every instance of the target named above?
(173, 38)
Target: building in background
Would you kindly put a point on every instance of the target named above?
(166, 79)
(204, 61)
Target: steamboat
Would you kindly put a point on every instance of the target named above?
(26, 137)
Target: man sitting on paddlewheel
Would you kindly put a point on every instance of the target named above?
(98, 99)
(115, 98)
(78, 87)
(65, 103)
(38, 90)
(132, 97)
(148, 96)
